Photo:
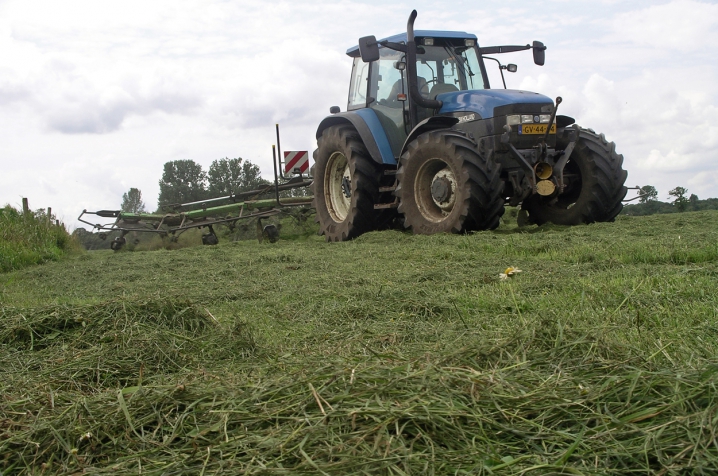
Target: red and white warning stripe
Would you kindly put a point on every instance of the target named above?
(296, 160)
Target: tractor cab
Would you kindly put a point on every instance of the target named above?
(446, 62)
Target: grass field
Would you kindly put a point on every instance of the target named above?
(390, 354)
(31, 238)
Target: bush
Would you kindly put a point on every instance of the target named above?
(30, 239)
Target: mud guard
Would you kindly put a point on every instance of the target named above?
(367, 124)
(429, 124)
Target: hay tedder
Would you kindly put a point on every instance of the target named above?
(264, 202)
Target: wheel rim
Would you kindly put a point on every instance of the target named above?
(337, 187)
(435, 190)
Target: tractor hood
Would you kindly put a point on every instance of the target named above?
(485, 101)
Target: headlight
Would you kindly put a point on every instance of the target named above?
(545, 118)
(514, 120)
(527, 118)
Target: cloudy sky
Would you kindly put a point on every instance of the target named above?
(96, 95)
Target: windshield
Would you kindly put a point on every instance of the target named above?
(446, 67)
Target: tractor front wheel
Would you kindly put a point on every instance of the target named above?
(346, 184)
(595, 184)
(446, 186)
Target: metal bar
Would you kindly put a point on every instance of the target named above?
(524, 165)
(262, 214)
(553, 118)
(234, 197)
(492, 50)
(200, 202)
(561, 162)
(279, 157)
(500, 68)
(640, 195)
(276, 179)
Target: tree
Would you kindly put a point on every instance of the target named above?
(182, 181)
(132, 201)
(648, 193)
(680, 201)
(232, 176)
(693, 199)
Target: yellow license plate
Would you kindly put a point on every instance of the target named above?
(536, 128)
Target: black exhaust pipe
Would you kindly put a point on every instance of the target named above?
(411, 68)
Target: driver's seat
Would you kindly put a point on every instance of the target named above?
(421, 83)
(440, 88)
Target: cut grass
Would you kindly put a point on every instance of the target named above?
(391, 354)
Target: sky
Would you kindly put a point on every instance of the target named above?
(96, 95)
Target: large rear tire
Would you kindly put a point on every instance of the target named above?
(596, 186)
(445, 186)
(346, 184)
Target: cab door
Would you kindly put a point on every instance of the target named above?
(388, 96)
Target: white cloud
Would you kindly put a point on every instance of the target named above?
(677, 26)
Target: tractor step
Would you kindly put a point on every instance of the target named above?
(387, 189)
(380, 206)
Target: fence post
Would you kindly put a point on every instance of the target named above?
(49, 216)
(25, 206)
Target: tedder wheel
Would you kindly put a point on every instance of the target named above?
(346, 184)
(210, 238)
(445, 185)
(271, 233)
(118, 243)
(595, 187)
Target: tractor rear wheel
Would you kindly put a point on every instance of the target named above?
(595, 189)
(446, 186)
(346, 184)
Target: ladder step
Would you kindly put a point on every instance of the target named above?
(390, 172)
(380, 206)
(387, 189)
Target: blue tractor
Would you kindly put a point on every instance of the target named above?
(425, 142)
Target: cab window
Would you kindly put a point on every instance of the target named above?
(358, 84)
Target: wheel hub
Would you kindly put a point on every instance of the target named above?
(441, 189)
(435, 190)
(346, 187)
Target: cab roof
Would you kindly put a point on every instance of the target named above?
(401, 38)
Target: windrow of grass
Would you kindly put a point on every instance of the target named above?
(391, 354)
(29, 239)
(548, 398)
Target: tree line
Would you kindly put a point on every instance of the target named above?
(679, 201)
(185, 181)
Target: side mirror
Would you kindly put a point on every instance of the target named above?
(368, 49)
(539, 53)
(511, 68)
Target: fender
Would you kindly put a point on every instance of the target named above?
(370, 130)
(429, 124)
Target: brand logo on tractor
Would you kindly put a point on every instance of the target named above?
(467, 118)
